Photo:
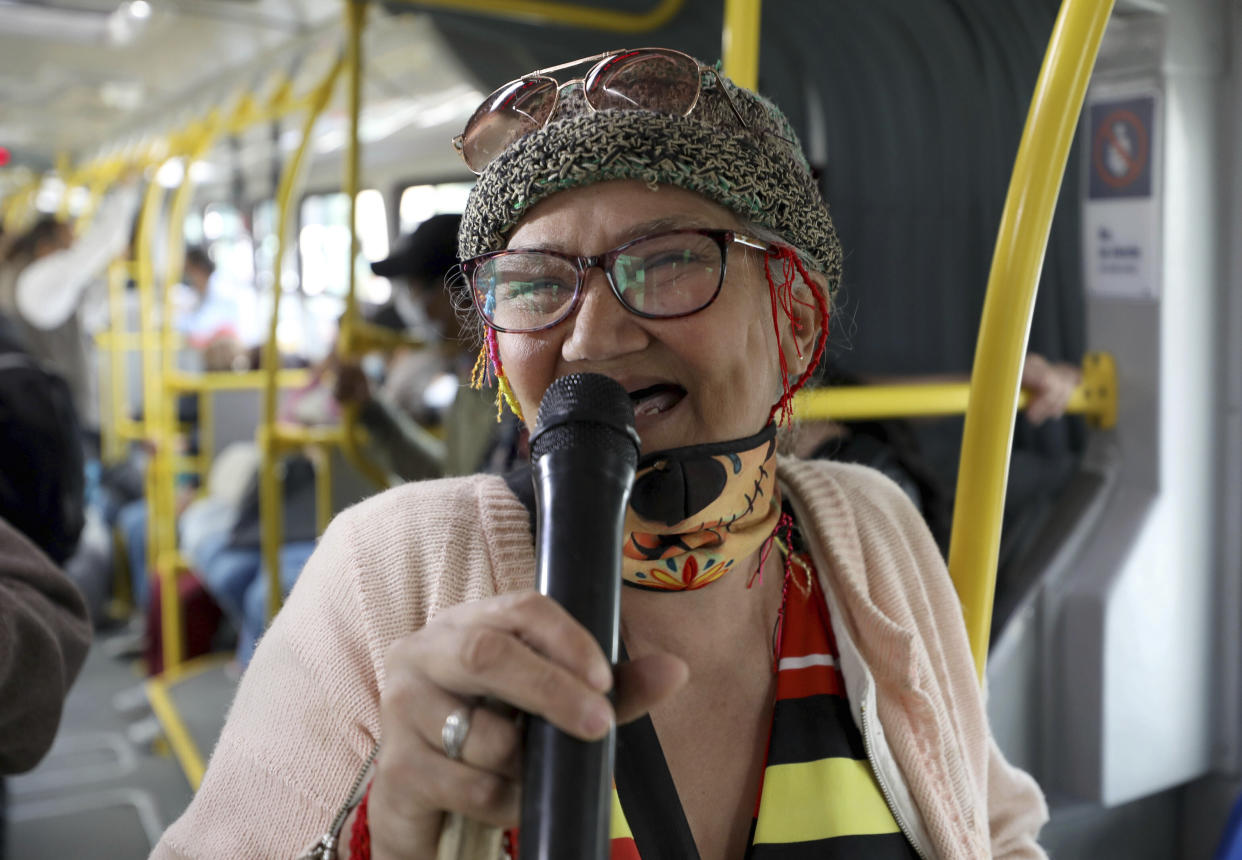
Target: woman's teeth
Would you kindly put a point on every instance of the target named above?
(656, 399)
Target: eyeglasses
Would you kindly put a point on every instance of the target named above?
(653, 79)
(661, 276)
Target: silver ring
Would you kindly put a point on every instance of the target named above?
(453, 735)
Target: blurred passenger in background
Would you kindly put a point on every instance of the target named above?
(48, 283)
(209, 321)
(429, 387)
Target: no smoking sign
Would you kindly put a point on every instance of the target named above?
(1121, 148)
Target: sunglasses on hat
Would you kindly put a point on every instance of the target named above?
(650, 79)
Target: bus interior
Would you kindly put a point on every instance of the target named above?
(295, 142)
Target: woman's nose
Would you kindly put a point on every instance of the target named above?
(601, 328)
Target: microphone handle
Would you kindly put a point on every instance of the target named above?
(581, 494)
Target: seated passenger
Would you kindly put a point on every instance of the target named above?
(892, 446)
(210, 312)
(596, 240)
(220, 536)
(429, 386)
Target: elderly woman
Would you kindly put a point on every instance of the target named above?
(794, 639)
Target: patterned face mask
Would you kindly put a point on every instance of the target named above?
(695, 511)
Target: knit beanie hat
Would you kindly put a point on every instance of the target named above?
(758, 172)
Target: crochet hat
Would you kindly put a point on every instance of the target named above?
(757, 172)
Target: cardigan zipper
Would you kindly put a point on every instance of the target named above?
(893, 807)
(325, 848)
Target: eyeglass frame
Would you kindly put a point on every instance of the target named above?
(723, 238)
(599, 60)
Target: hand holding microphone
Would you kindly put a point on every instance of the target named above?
(524, 650)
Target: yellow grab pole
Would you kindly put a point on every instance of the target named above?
(740, 42)
(17, 206)
(97, 188)
(118, 360)
(321, 456)
(564, 14)
(1095, 398)
(347, 343)
(271, 513)
(1020, 244)
(159, 502)
(355, 20)
(144, 275)
(162, 508)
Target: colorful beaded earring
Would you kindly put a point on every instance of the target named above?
(489, 360)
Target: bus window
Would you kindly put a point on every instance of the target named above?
(324, 245)
(228, 242)
(420, 202)
(263, 219)
(193, 229)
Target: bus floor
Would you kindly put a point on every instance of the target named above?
(110, 784)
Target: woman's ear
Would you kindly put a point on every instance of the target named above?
(803, 329)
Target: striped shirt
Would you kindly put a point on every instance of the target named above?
(818, 798)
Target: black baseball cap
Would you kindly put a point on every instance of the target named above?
(427, 254)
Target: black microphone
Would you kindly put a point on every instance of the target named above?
(584, 452)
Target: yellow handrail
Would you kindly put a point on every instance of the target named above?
(161, 410)
(269, 434)
(563, 14)
(740, 42)
(117, 344)
(347, 345)
(17, 206)
(97, 186)
(1095, 398)
(160, 533)
(190, 144)
(1021, 241)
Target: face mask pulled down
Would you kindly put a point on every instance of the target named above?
(697, 511)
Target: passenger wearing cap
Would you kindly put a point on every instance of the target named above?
(793, 635)
(430, 385)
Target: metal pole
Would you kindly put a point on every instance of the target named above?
(1023, 237)
(740, 42)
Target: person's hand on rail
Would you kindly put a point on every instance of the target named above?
(1050, 386)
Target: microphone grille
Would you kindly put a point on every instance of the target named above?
(585, 409)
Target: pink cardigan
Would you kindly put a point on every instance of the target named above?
(306, 716)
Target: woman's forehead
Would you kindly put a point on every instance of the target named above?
(615, 212)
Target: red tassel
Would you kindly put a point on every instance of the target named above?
(360, 834)
(783, 297)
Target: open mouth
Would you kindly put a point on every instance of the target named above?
(655, 399)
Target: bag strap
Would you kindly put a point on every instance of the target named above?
(648, 795)
(644, 785)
